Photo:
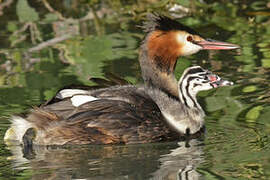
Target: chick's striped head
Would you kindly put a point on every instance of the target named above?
(195, 79)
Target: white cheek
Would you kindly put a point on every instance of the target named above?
(81, 99)
(190, 48)
(202, 88)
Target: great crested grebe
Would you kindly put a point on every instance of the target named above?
(161, 110)
(166, 40)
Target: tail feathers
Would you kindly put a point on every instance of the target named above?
(17, 130)
(42, 120)
(38, 119)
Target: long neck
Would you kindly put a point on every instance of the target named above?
(186, 95)
(157, 71)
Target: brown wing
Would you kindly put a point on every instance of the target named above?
(121, 122)
(136, 119)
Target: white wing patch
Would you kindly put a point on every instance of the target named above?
(65, 93)
(78, 100)
(77, 96)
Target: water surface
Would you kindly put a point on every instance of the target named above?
(101, 39)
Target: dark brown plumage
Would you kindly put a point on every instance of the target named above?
(106, 121)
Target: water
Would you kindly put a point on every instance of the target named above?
(236, 144)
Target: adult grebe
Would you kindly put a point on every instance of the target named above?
(165, 42)
(161, 110)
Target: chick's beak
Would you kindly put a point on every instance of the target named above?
(221, 83)
(211, 44)
(216, 81)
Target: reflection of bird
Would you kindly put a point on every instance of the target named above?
(106, 162)
(181, 163)
(129, 114)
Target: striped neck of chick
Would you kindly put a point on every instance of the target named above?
(189, 117)
(190, 83)
(185, 115)
(166, 40)
(194, 80)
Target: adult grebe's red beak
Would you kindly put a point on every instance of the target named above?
(211, 44)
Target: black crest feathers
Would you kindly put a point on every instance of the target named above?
(164, 23)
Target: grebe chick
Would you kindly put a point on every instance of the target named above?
(137, 116)
(185, 114)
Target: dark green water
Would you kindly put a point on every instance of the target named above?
(236, 144)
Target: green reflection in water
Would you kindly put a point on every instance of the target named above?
(101, 37)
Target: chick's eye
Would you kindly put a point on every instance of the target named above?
(189, 38)
(206, 78)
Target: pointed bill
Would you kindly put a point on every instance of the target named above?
(210, 44)
(216, 81)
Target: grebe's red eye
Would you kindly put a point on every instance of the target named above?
(189, 38)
